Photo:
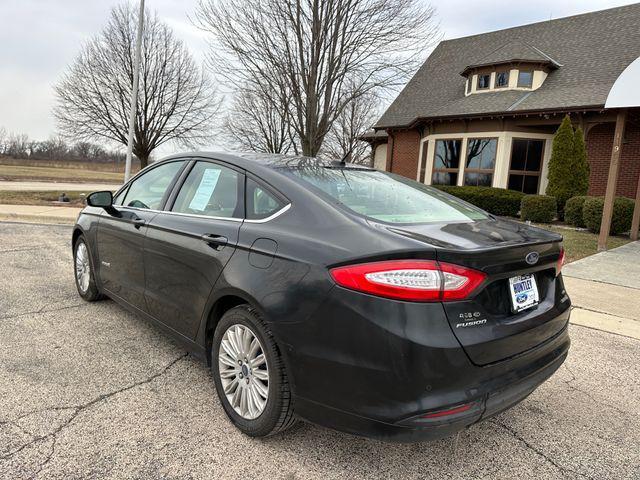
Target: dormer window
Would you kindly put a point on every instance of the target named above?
(484, 81)
(525, 79)
(502, 79)
(514, 66)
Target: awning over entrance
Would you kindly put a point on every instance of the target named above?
(624, 94)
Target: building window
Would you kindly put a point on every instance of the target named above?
(525, 79)
(484, 81)
(526, 165)
(481, 161)
(446, 162)
(502, 79)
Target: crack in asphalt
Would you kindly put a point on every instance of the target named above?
(22, 249)
(77, 410)
(42, 310)
(537, 451)
(573, 378)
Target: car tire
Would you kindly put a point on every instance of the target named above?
(83, 265)
(277, 413)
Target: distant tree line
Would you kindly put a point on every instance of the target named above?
(18, 145)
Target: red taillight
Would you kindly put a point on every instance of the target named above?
(560, 261)
(451, 411)
(415, 280)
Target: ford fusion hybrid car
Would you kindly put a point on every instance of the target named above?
(331, 292)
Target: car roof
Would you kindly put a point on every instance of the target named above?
(273, 161)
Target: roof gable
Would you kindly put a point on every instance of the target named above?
(593, 49)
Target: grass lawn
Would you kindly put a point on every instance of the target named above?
(8, 197)
(582, 243)
(69, 174)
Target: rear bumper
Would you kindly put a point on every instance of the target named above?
(373, 367)
(415, 430)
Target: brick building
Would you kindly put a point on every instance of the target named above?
(482, 110)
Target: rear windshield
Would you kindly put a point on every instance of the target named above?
(387, 197)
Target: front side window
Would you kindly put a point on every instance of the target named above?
(210, 190)
(502, 79)
(481, 161)
(525, 79)
(526, 164)
(147, 191)
(484, 81)
(446, 162)
(386, 197)
(260, 202)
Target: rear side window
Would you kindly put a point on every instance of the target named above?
(261, 203)
(212, 190)
(387, 197)
(148, 189)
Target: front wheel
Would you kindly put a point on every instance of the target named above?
(249, 374)
(84, 275)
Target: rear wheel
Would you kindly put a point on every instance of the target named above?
(249, 374)
(83, 270)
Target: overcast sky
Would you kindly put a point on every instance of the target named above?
(39, 38)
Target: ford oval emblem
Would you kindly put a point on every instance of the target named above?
(532, 258)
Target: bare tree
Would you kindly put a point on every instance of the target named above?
(18, 145)
(176, 101)
(258, 121)
(3, 140)
(327, 52)
(342, 141)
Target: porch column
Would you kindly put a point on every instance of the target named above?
(635, 223)
(612, 180)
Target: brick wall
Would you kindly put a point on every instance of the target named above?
(599, 145)
(406, 148)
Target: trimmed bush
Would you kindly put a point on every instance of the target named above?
(620, 220)
(538, 208)
(498, 201)
(568, 166)
(573, 211)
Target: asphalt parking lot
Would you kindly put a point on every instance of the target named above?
(91, 391)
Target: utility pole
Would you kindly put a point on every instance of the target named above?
(134, 92)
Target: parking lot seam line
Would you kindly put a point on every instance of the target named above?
(78, 409)
(578, 307)
(521, 439)
(604, 331)
(601, 281)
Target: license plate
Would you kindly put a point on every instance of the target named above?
(524, 292)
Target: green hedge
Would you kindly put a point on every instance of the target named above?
(498, 201)
(538, 208)
(620, 220)
(573, 211)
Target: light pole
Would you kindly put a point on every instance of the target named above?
(134, 92)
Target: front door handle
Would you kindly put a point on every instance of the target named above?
(138, 222)
(215, 240)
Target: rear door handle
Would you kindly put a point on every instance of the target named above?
(215, 240)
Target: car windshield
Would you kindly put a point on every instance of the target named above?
(387, 197)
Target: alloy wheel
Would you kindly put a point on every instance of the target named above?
(243, 371)
(83, 268)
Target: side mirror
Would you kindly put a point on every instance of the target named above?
(100, 199)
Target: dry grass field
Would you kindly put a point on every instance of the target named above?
(25, 197)
(45, 170)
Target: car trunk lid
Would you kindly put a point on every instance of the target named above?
(485, 324)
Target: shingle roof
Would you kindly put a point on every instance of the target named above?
(514, 52)
(592, 49)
